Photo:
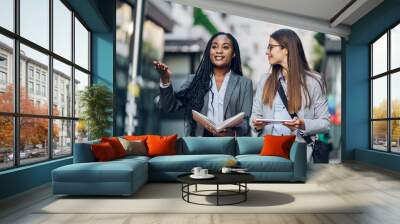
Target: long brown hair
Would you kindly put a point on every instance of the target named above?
(298, 70)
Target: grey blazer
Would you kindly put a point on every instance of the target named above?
(316, 117)
(238, 98)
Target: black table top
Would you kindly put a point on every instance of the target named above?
(220, 178)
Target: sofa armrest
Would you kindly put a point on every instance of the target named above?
(83, 152)
(298, 155)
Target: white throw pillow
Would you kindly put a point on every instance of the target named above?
(136, 147)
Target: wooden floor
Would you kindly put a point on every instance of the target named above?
(377, 188)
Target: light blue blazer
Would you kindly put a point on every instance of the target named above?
(316, 117)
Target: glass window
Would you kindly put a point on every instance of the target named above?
(62, 138)
(379, 135)
(34, 79)
(81, 81)
(6, 74)
(37, 89)
(395, 47)
(43, 90)
(30, 87)
(3, 61)
(62, 72)
(40, 62)
(35, 21)
(81, 45)
(81, 131)
(395, 136)
(7, 14)
(379, 98)
(30, 71)
(381, 119)
(395, 95)
(3, 78)
(6, 142)
(33, 139)
(379, 56)
(62, 29)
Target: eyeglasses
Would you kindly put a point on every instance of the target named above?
(271, 46)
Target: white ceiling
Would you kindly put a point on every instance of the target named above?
(315, 15)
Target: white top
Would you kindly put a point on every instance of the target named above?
(216, 100)
(280, 111)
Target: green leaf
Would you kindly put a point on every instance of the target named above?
(97, 109)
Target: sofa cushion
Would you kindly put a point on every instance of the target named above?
(185, 163)
(83, 152)
(257, 163)
(249, 145)
(161, 145)
(112, 171)
(130, 158)
(277, 145)
(135, 137)
(103, 152)
(134, 147)
(116, 145)
(207, 145)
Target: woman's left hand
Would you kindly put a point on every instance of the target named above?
(296, 123)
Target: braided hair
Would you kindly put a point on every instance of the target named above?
(193, 96)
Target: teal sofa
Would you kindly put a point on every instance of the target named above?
(125, 176)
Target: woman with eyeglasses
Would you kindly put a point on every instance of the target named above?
(218, 89)
(306, 112)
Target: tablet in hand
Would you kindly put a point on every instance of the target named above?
(272, 121)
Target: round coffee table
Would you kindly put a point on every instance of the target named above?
(238, 179)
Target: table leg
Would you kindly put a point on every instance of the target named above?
(188, 190)
(245, 193)
(182, 190)
(217, 194)
(196, 188)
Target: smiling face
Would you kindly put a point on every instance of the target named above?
(221, 51)
(276, 53)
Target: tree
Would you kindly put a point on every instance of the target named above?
(33, 130)
(380, 127)
(6, 122)
(96, 103)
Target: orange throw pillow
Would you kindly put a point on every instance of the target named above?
(277, 145)
(161, 145)
(103, 152)
(116, 145)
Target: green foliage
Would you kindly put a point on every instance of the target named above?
(200, 18)
(96, 104)
(320, 38)
(248, 68)
(318, 51)
(380, 127)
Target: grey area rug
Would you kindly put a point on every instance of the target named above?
(166, 198)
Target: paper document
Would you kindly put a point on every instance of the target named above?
(272, 121)
(228, 123)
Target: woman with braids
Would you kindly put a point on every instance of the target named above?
(292, 79)
(218, 89)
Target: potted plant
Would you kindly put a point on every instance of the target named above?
(96, 104)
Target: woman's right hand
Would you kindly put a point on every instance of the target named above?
(258, 124)
(164, 71)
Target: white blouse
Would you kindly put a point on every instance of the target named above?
(216, 100)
